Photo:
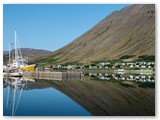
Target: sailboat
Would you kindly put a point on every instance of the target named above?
(19, 62)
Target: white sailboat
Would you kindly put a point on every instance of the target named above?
(19, 62)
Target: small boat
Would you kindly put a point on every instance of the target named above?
(29, 67)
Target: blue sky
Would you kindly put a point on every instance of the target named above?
(51, 26)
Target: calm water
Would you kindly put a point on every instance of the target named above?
(42, 101)
(96, 94)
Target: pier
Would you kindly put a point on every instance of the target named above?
(53, 75)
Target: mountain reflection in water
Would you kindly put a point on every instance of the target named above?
(102, 98)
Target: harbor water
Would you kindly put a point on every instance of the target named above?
(96, 94)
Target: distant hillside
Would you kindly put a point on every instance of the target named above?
(31, 53)
(130, 31)
(5, 52)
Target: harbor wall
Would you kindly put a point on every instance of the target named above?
(53, 75)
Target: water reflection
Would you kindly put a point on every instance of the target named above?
(27, 97)
(13, 84)
(109, 98)
(98, 94)
(123, 76)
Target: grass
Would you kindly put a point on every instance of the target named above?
(114, 61)
(146, 84)
(126, 56)
(98, 61)
(110, 61)
(145, 58)
(125, 84)
(131, 68)
(47, 62)
(72, 63)
(52, 60)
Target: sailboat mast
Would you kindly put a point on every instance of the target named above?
(15, 35)
(9, 53)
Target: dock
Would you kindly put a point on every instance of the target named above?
(12, 74)
(53, 75)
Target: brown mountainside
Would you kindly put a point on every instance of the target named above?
(125, 32)
(26, 52)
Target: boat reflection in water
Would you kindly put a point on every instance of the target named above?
(14, 92)
(114, 96)
(26, 97)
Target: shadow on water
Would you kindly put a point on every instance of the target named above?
(106, 97)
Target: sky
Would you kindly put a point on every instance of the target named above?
(51, 26)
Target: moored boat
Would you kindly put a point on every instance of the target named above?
(29, 67)
(19, 63)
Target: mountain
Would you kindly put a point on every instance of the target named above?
(31, 53)
(130, 31)
(5, 52)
